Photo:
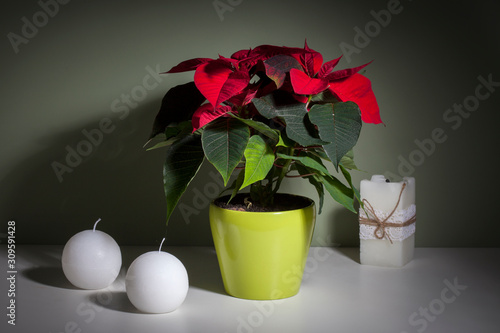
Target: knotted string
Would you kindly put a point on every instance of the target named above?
(380, 232)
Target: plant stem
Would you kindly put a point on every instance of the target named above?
(300, 176)
(283, 172)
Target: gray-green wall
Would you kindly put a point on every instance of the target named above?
(69, 69)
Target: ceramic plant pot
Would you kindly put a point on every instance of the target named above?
(262, 255)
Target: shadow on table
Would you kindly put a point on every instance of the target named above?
(50, 276)
(200, 262)
(202, 267)
(113, 300)
(349, 252)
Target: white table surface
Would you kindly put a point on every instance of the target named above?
(337, 295)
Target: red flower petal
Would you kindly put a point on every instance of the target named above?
(244, 97)
(236, 82)
(188, 65)
(267, 51)
(304, 85)
(217, 81)
(206, 113)
(358, 89)
(337, 75)
(241, 54)
(231, 61)
(300, 98)
(311, 60)
(328, 67)
(263, 52)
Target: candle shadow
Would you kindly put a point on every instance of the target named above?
(344, 233)
(116, 300)
(50, 276)
(350, 252)
(344, 228)
(200, 262)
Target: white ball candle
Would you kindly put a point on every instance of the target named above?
(91, 259)
(157, 282)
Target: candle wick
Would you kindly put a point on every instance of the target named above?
(95, 224)
(159, 250)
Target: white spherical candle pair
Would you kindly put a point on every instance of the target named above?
(156, 282)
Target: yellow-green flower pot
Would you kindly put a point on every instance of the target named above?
(262, 255)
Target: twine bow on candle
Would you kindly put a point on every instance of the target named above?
(380, 231)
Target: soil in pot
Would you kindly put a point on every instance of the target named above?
(282, 202)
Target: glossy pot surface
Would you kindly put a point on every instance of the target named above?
(262, 255)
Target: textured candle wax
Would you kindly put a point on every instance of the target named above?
(393, 203)
(91, 259)
(156, 282)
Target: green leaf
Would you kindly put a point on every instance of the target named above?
(260, 127)
(314, 181)
(224, 141)
(284, 141)
(320, 153)
(173, 133)
(347, 177)
(339, 192)
(162, 144)
(259, 160)
(323, 97)
(348, 161)
(339, 124)
(236, 185)
(178, 104)
(298, 127)
(182, 162)
(307, 161)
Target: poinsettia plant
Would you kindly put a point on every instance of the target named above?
(265, 113)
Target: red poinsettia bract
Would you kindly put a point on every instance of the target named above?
(227, 83)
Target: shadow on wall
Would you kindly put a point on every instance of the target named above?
(100, 170)
(344, 228)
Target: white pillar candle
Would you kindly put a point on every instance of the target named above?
(91, 259)
(387, 234)
(157, 282)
